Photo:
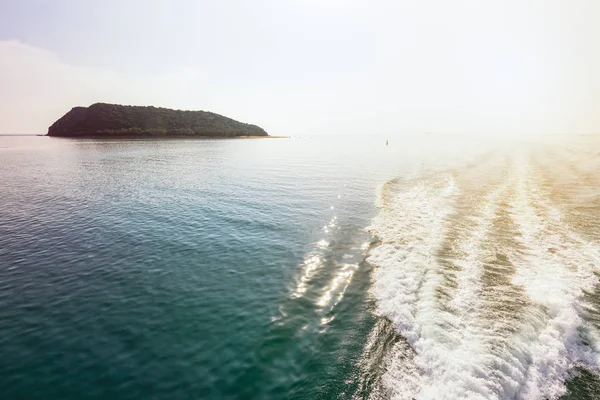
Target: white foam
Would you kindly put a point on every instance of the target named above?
(558, 269)
(454, 352)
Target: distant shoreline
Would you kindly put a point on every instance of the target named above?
(262, 137)
(142, 137)
(128, 137)
(21, 134)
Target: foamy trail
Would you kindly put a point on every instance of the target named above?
(489, 297)
(555, 273)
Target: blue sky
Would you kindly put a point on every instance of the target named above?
(308, 66)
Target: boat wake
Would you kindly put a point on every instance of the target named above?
(486, 271)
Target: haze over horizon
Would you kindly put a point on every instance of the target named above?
(310, 67)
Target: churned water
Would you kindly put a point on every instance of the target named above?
(436, 267)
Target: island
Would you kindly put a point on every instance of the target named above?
(114, 120)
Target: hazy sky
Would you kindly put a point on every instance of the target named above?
(309, 66)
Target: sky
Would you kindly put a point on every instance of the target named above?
(307, 67)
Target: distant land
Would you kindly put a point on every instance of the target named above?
(114, 120)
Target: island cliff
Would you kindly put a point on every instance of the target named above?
(115, 120)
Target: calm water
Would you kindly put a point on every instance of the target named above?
(309, 268)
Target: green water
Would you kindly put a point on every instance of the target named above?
(208, 269)
(161, 269)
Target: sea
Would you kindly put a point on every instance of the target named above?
(312, 267)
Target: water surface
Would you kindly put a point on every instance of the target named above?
(435, 267)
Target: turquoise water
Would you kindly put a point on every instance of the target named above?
(296, 268)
